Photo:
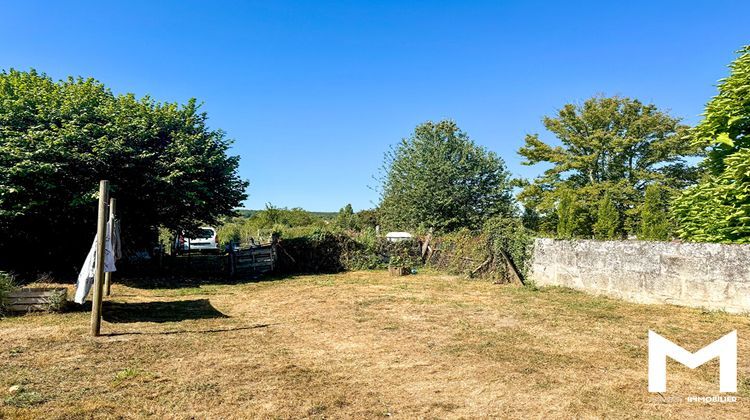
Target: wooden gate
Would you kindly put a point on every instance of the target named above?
(253, 261)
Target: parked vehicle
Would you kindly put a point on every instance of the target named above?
(205, 240)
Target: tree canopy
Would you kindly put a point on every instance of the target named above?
(611, 145)
(58, 139)
(346, 219)
(438, 178)
(718, 208)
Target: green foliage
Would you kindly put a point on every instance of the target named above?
(324, 251)
(7, 285)
(607, 224)
(566, 215)
(262, 223)
(718, 208)
(464, 251)
(531, 219)
(510, 236)
(57, 302)
(608, 144)
(438, 178)
(58, 139)
(655, 223)
(25, 398)
(346, 218)
(368, 219)
(460, 252)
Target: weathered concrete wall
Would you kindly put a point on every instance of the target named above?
(710, 276)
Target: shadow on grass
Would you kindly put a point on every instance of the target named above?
(181, 310)
(209, 331)
(182, 281)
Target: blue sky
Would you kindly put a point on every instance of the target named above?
(314, 92)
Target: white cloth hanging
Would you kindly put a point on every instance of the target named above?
(86, 276)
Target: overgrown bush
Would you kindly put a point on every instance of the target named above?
(324, 251)
(482, 253)
(510, 236)
(459, 252)
(7, 284)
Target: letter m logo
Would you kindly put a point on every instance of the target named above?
(724, 348)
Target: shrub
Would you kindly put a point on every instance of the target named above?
(7, 284)
(566, 214)
(607, 224)
(482, 253)
(509, 235)
(655, 224)
(322, 251)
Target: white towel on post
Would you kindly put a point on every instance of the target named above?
(86, 276)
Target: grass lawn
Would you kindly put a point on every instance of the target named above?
(363, 345)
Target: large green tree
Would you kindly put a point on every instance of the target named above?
(438, 178)
(718, 208)
(58, 139)
(607, 145)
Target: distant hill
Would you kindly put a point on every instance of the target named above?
(325, 215)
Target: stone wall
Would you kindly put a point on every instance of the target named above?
(712, 276)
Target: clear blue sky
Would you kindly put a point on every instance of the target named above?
(314, 92)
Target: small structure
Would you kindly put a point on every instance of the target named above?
(256, 260)
(398, 236)
(37, 299)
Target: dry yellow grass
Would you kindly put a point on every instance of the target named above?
(361, 345)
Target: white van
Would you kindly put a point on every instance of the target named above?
(206, 239)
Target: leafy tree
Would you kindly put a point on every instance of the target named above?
(345, 218)
(272, 217)
(58, 139)
(530, 219)
(654, 212)
(607, 224)
(438, 178)
(607, 144)
(368, 218)
(258, 225)
(718, 208)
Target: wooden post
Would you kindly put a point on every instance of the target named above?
(101, 237)
(108, 276)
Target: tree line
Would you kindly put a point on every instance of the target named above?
(619, 168)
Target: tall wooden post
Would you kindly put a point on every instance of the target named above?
(108, 276)
(101, 238)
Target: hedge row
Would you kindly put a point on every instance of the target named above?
(328, 252)
(485, 253)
